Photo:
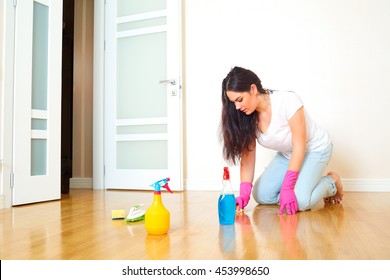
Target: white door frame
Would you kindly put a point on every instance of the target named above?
(98, 97)
(7, 105)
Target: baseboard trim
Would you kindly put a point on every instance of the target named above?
(366, 185)
(80, 183)
(350, 185)
(2, 198)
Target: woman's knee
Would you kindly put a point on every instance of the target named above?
(264, 195)
(304, 202)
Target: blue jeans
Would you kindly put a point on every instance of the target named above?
(310, 187)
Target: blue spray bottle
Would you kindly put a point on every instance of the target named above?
(157, 217)
(226, 201)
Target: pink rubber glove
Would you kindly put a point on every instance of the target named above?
(287, 198)
(245, 192)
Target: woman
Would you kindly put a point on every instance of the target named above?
(276, 120)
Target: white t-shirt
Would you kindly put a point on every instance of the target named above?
(284, 105)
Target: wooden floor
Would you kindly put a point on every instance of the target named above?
(79, 226)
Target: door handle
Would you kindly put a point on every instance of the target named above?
(165, 82)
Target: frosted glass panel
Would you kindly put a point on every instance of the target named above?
(40, 56)
(38, 124)
(130, 7)
(142, 155)
(141, 64)
(39, 93)
(38, 156)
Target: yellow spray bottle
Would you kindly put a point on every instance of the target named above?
(157, 217)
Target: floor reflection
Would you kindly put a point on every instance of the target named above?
(157, 247)
(302, 236)
(288, 229)
(248, 237)
(227, 238)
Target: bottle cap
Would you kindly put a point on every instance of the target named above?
(226, 173)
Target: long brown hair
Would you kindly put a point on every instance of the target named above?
(238, 130)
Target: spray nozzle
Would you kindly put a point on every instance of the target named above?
(163, 183)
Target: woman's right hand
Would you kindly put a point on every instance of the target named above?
(245, 192)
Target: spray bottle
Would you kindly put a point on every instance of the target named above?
(226, 201)
(157, 217)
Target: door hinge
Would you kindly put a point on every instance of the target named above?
(11, 180)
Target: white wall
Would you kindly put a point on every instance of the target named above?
(335, 54)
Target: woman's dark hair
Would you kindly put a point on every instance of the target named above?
(238, 130)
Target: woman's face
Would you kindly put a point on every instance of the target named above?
(245, 101)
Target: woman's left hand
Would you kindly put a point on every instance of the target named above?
(288, 199)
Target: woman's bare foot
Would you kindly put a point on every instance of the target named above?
(338, 197)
